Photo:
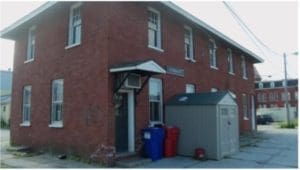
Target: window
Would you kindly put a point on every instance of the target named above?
(155, 99)
(75, 25)
(212, 53)
(154, 28)
(245, 106)
(214, 89)
(260, 85)
(4, 108)
(230, 61)
(57, 103)
(31, 44)
(244, 68)
(296, 95)
(26, 106)
(188, 43)
(272, 84)
(190, 88)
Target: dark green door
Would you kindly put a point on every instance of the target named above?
(121, 130)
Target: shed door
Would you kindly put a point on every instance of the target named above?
(229, 137)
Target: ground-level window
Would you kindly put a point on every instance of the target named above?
(26, 105)
(190, 88)
(155, 99)
(57, 102)
(245, 106)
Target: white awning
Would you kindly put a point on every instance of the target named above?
(143, 67)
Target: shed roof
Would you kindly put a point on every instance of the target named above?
(207, 98)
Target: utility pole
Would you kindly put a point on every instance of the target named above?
(286, 91)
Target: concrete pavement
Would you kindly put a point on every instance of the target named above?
(276, 149)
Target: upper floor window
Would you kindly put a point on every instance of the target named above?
(188, 43)
(244, 67)
(296, 95)
(190, 88)
(26, 106)
(57, 102)
(31, 44)
(212, 53)
(272, 84)
(75, 24)
(154, 28)
(260, 85)
(230, 61)
(155, 99)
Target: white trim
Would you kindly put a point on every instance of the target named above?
(72, 45)
(155, 48)
(231, 73)
(215, 68)
(25, 124)
(146, 66)
(209, 28)
(56, 124)
(28, 61)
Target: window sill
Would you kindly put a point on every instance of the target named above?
(246, 118)
(155, 48)
(56, 125)
(28, 61)
(245, 78)
(190, 59)
(25, 124)
(213, 67)
(231, 73)
(72, 45)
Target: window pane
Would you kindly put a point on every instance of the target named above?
(57, 100)
(151, 37)
(154, 111)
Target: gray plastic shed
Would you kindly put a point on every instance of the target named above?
(206, 120)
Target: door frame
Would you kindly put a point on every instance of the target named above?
(131, 118)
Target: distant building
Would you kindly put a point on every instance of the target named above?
(5, 94)
(270, 98)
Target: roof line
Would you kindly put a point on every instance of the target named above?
(28, 17)
(209, 28)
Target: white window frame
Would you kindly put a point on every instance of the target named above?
(190, 88)
(230, 61)
(245, 106)
(159, 81)
(244, 67)
(31, 44)
(272, 84)
(26, 122)
(71, 26)
(158, 30)
(214, 89)
(212, 50)
(260, 85)
(190, 43)
(56, 123)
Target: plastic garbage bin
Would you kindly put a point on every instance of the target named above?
(153, 138)
(171, 140)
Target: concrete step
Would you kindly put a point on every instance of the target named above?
(132, 162)
(18, 149)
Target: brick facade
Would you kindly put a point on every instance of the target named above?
(112, 33)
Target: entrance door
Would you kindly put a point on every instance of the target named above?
(121, 129)
(124, 121)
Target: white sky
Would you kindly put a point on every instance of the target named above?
(275, 23)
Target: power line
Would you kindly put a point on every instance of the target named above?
(250, 34)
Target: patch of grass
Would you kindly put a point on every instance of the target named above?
(293, 124)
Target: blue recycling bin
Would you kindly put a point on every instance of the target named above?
(153, 138)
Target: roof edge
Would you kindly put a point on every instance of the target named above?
(211, 29)
(40, 9)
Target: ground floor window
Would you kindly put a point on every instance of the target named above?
(190, 88)
(57, 102)
(26, 104)
(245, 106)
(155, 99)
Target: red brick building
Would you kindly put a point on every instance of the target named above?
(270, 94)
(73, 81)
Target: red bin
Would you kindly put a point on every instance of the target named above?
(172, 134)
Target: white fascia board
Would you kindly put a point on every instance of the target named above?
(150, 66)
(28, 17)
(211, 29)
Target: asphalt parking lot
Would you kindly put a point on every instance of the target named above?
(277, 149)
